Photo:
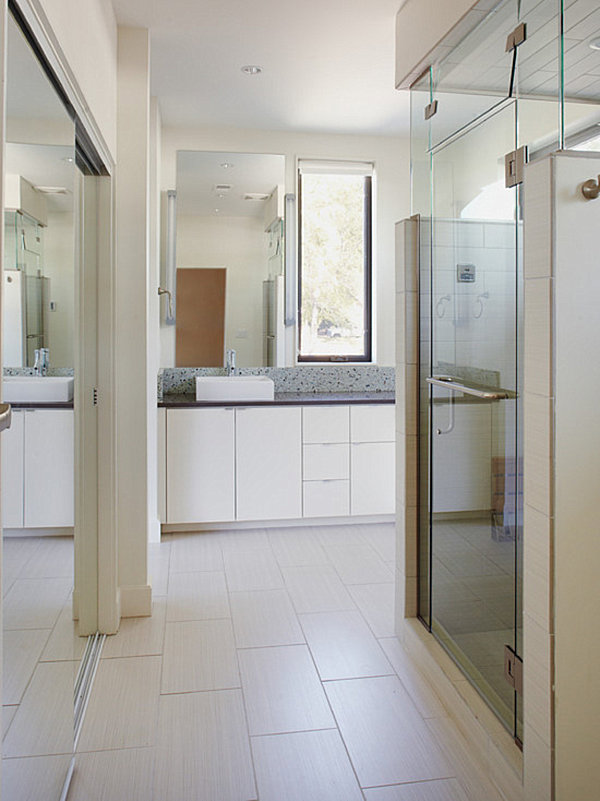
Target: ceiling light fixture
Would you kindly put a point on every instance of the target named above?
(227, 165)
(595, 44)
(251, 69)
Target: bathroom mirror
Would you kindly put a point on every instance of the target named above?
(229, 258)
(41, 652)
(38, 282)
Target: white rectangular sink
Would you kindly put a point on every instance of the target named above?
(234, 388)
(37, 389)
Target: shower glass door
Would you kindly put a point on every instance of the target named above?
(471, 298)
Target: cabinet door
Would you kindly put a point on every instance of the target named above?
(12, 472)
(269, 463)
(161, 458)
(200, 465)
(373, 478)
(49, 468)
(373, 423)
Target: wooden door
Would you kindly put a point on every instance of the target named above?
(200, 326)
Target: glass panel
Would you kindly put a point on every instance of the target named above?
(475, 469)
(41, 649)
(581, 45)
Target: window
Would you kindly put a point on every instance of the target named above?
(334, 263)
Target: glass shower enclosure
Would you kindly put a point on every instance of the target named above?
(519, 86)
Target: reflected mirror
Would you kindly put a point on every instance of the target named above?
(230, 259)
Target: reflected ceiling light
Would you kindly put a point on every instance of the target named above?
(251, 69)
(227, 165)
(217, 211)
(69, 159)
(595, 44)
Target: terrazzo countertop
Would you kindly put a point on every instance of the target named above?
(188, 400)
(52, 405)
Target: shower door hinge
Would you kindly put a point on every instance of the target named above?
(431, 109)
(517, 37)
(514, 167)
(513, 669)
(95, 396)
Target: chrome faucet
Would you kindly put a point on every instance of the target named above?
(42, 361)
(230, 365)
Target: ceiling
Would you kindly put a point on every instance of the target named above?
(202, 182)
(328, 65)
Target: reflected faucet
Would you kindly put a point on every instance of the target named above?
(230, 365)
(42, 361)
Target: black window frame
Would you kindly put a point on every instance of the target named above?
(367, 355)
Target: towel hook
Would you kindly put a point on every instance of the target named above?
(591, 189)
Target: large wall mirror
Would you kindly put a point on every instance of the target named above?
(230, 259)
(41, 649)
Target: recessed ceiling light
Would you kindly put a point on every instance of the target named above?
(251, 69)
(227, 165)
(217, 211)
(595, 44)
(69, 159)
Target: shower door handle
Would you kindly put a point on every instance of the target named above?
(482, 392)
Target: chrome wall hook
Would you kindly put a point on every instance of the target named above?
(591, 189)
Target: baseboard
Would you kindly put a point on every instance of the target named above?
(136, 600)
(58, 531)
(239, 525)
(489, 741)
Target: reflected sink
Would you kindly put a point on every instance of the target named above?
(234, 388)
(37, 389)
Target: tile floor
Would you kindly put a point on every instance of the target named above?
(269, 670)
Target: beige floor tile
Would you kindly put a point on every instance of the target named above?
(340, 535)
(241, 539)
(316, 589)
(437, 790)
(123, 775)
(64, 644)
(203, 753)
(252, 570)
(159, 560)
(43, 724)
(343, 646)
(35, 603)
(467, 769)
(8, 713)
(122, 708)
(20, 654)
(422, 694)
(199, 655)
(295, 547)
(359, 564)
(34, 778)
(197, 596)
(139, 636)
(376, 602)
(282, 690)
(387, 739)
(197, 551)
(382, 537)
(264, 617)
(16, 552)
(52, 559)
(306, 765)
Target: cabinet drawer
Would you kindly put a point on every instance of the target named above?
(331, 460)
(326, 498)
(325, 424)
(373, 423)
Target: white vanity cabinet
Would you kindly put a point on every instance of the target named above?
(372, 460)
(268, 463)
(38, 453)
(258, 463)
(200, 465)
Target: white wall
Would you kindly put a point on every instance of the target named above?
(391, 199)
(239, 245)
(59, 267)
(85, 33)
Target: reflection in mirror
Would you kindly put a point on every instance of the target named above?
(230, 259)
(41, 651)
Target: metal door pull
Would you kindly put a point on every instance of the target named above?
(5, 416)
(456, 385)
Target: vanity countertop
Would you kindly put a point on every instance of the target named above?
(41, 405)
(188, 400)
